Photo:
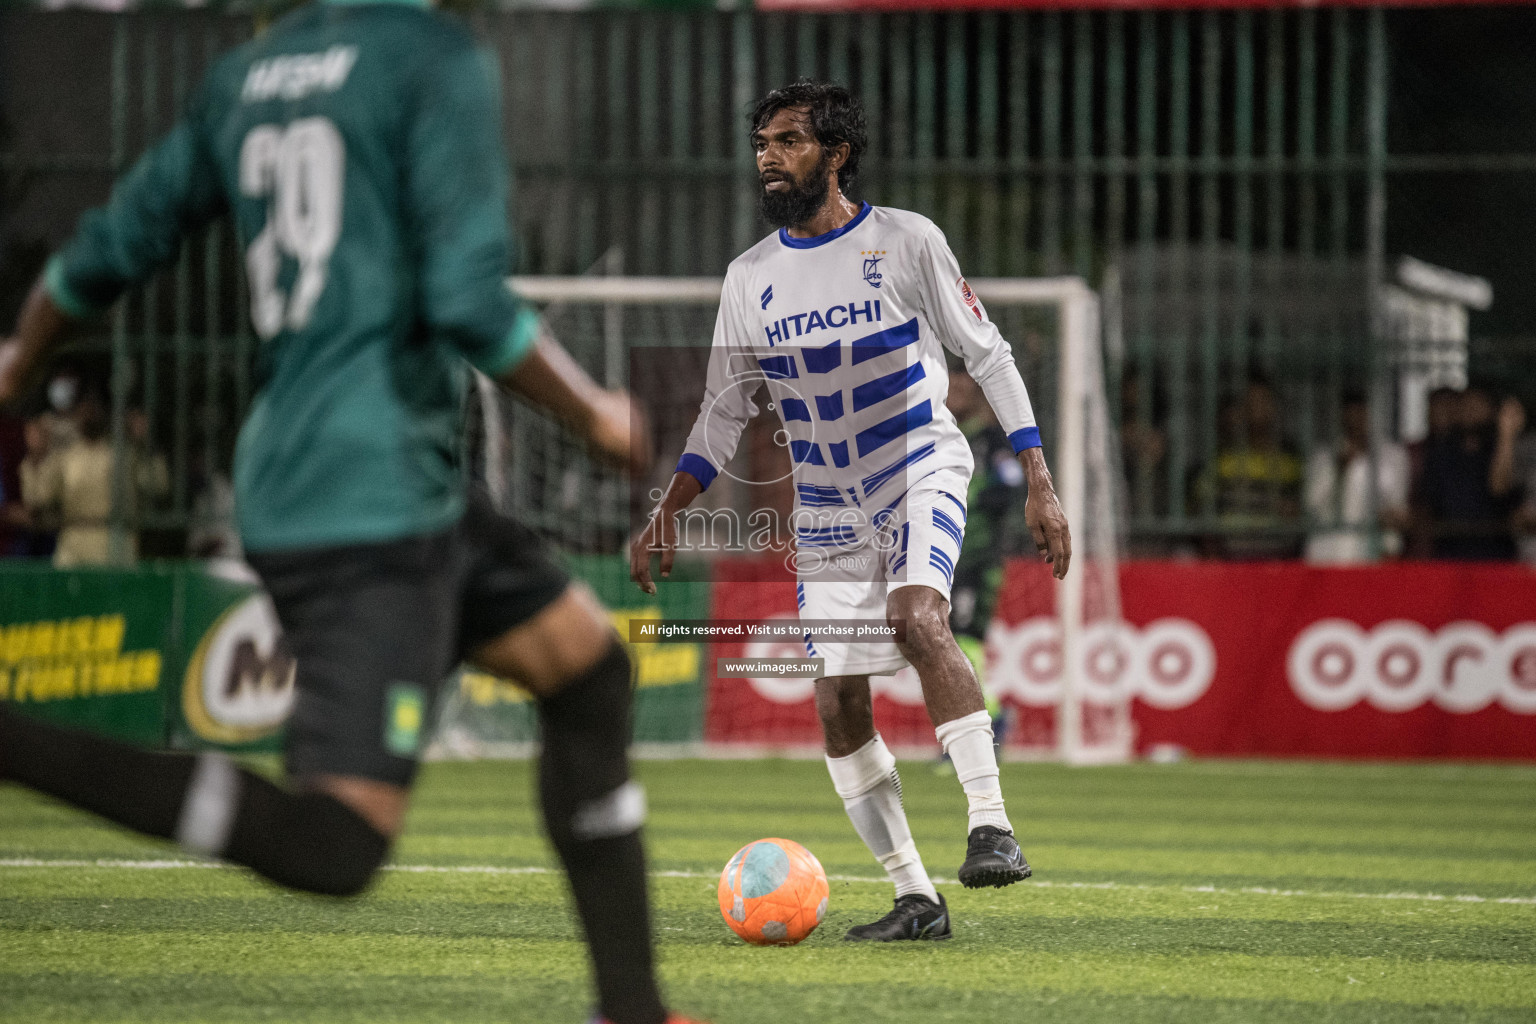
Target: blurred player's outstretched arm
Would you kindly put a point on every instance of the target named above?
(608, 420)
(172, 190)
(39, 327)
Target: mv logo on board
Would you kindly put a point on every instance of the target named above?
(239, 683)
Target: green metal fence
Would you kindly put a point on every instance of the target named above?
(1219, 175)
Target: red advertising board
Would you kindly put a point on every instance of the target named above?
(781, 712)
(1413, 660)
(1273, 659)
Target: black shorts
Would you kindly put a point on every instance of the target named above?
(376, 628)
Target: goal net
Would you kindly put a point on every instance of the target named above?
(1056, 661)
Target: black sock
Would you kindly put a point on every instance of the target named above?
(592, 812)
(132, 787)
(308, 841)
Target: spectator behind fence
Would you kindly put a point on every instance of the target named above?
(39, 526)
(213, 532)
(1342, 492)
(1464, 517)
(72, 487)
(151, 473)
(1512, 476)
(1442, 421)
(1143, 447)
(59, 419)
(1254, 483)
(13, 514)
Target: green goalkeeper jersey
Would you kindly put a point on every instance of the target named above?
(358, 147)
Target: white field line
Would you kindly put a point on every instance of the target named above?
(494, 869)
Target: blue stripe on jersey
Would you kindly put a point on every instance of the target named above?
(886, 431)
(1025, 437)
(839, 450)
(826, 537)
(958, 504)
(824, 359)
(881, 388)
(794, 409)
(810, 648)
(948, 525)
(901, 555)
(830, 407)
(806, 452)
(890, 509)
(876, 480)
(778, 367)
(882, 342)
(800, 595)
(819, 494)
(697, 467)
(942, 562)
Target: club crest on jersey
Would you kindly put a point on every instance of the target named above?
(970, 298)
(872, 260)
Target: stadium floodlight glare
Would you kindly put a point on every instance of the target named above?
(601, 318)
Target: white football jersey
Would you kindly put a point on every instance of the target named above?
(845, 330)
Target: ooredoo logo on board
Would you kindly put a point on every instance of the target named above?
(1400, 665)
(1168, 664)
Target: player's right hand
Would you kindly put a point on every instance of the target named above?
(658, 538)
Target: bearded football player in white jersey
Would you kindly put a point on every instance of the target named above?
(843, 314)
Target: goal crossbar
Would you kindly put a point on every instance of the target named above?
(665, 291)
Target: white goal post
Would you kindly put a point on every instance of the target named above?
(1084, 459)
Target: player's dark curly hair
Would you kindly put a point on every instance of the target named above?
(835, 117)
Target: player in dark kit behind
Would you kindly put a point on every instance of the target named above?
(358, 148)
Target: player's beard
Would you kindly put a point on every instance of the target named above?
(799, 200)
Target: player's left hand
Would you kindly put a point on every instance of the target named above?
(1048, 525)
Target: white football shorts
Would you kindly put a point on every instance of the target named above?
(918, 547)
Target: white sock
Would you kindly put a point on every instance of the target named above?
(968, 742)
(871, 790)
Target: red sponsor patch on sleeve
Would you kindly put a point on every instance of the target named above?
(970, 298)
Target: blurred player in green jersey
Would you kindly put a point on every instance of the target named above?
(357, 147)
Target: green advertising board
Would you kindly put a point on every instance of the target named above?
(482, 714)
(189, 655)
(179, 655)
(87, 648)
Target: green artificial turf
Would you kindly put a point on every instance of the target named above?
(1202, 892)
